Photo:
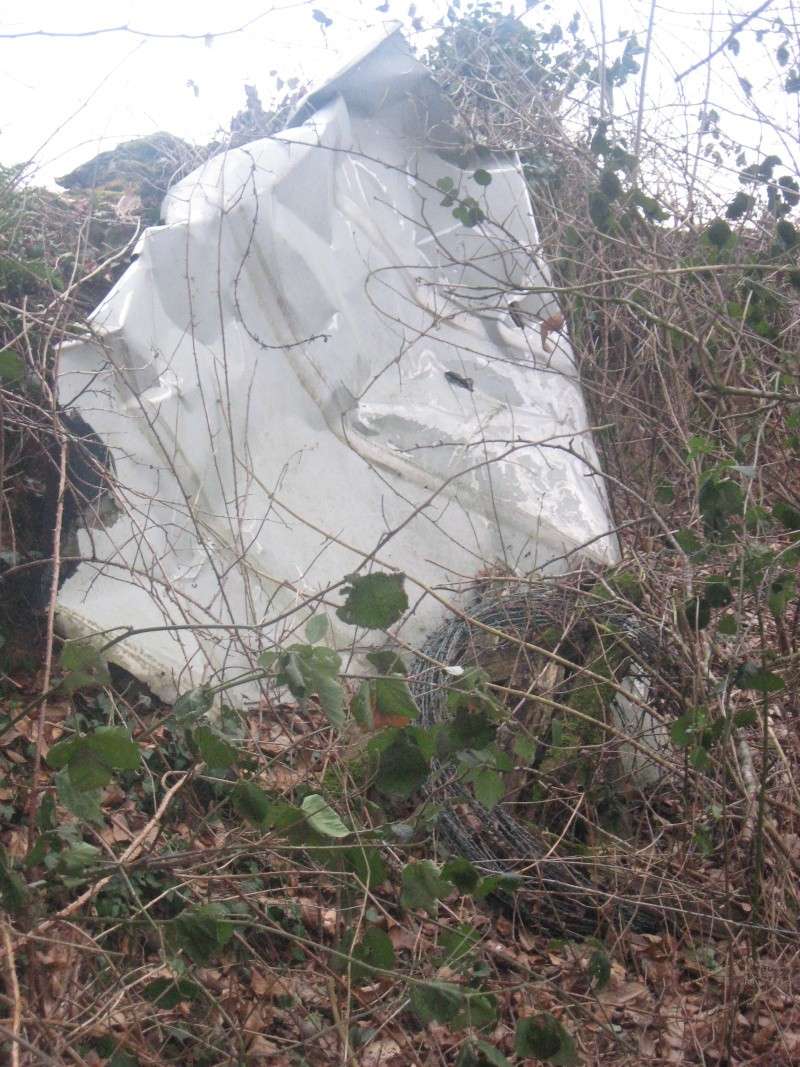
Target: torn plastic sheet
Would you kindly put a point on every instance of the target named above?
(311, 368)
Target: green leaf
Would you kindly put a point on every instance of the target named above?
(469, 212)
(12, 367)
(373, 601)
(84, 667)
(402, 768)
(459, 943)
(740, 205)
(83, 804)
(717, 592)
(193, 704)
(14, 893)
(466, 730)
(322, 818)
(544, 1038)
(214, 750)
(727, 625)
(687, 728)
(497, 883)
(316, 628)
(718, 233)
(306, 670)
(76, 859)
(387, 662)
(202, 932)
(525, 748)
(393, 698)
(91, 760)
(481, 1054)
(168, 993)
(745, 717)
(423, 886)
(437, 1002)
(121, 1058)
(445, 185)
(366, 863)
(480, 1010)
(698, 614)
(599, 969)
(361, 706)
(482, 177)
(719, 499)
(782, 592)
(462, 874)
(787, 516)
(488, 785)
(376, 950)
(751, 676)
(251, 802)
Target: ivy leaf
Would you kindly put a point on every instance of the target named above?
(787, 516)
(251, 802)
(497, 883)
(751, 676)
(168, 993)
(480, 1010)
(437, 1002)
(83, 804)
(459, 943)
(84, 667)
(462, 874)
(214, 750)
(481, 1054)
(782, 591)
(466, 730)
(740, 205)
(12, 367)
(599, 969)
(14, 893)
(688, 541)
(482, 177)
(376, 950)
(366, 864)
(91, 760)
(387, 662)
(423, 886)
(718, 233)
(76, 859)
(544, 1038)
(202, 932)
(322, 818)
(193, 704)
(373, 601)
(402, 768)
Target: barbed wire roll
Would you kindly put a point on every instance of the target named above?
(504, 621)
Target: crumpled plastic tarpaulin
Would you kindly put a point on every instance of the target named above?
(310, 368)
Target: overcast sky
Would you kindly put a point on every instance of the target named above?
(63, 99)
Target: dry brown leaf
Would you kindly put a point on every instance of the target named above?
(617, 994)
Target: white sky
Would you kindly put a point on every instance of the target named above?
(63, 100)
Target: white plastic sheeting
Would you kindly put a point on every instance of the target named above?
(310, 368)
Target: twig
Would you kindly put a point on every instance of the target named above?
(13, 986)
(739, 26)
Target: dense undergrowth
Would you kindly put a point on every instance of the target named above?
(197, 885)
